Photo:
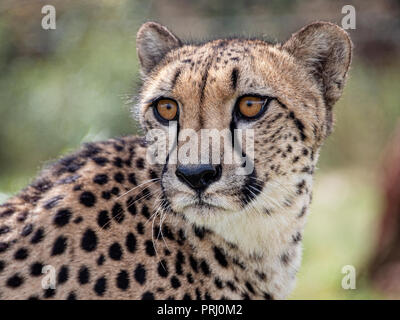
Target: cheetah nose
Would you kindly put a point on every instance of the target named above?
(198, 177)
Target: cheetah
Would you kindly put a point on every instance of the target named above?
(109, 224)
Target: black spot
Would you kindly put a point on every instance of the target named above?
(302, 212)
(100, 286)
(52, 202)
(199, 232)
(148, 296)
(115, 191)
(9, 212)
(285, 258)
(220, 257)
(118, 213)
(59, 246)
(78, 220)
(21, 254)
(106, 195)
(300, 186)
(48, 293)
(187, 297)
(297, 237)
(62, 276)
(231, 286)
(249, 287)
(119, 177)
(205, 268)
(38, 236)
(218, 283)
(193, 263)
(36, 269)
(167, 232)
(42, 185)
(150, 248)
(15, 281)
(27, 230)
(140, 228)
(4, 229)
(189, 278)
(101, 161)
(3, 246)
(77, 187)
(83, 275)
(115, 251)
(163, 269)
(122, 280)
(130, 204)
(132, 179)
(267, 296)
(245, 296)
(71, 296)
(261, 275)
(181, 237)
(153, 174)
(145, 211)
(103, 220)
(140, 274)
(118, 162)
(68, 180)
(100, 260)
(2, 265)
(180, 259)
(89, 240)
(21, 217)
(175, 283)
(62, 217)
(100, 179)
(87, 198)
(131, 242)
(140, 163)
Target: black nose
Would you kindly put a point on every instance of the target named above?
(198, 177)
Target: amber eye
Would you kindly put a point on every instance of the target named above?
(167, 109)
(251, 106)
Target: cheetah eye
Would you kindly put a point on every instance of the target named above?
(166, 109)
(251, 107)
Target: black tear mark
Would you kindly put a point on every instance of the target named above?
(299, 124)
(234, 78)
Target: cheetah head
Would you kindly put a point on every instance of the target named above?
(280, 96)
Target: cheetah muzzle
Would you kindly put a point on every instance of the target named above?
(110, 225)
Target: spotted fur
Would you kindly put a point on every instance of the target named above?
(115, 227)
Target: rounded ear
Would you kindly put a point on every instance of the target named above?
(325, 50)
(153, 42)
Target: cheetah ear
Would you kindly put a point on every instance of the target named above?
(153, 42)
(325, 50)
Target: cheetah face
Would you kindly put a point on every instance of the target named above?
(279, 95)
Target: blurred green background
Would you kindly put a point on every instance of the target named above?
(59, 88)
